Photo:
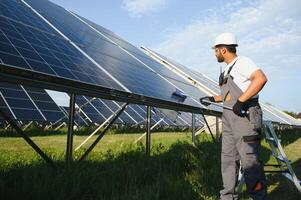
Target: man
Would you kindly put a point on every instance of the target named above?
(240, 84)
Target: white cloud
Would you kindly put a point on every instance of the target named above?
(268, 31)
(137, 8)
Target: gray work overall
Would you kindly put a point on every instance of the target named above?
(241, 141)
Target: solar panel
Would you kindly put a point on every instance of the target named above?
(131, 73)
(22, 100)
(28, 42)
(205, 81)
(190, 77)
(19, 103)
(281, 115)
(44, 102)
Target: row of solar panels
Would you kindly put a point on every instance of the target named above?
(40, 36)
(34, 104)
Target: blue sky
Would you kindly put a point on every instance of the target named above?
(269, 32)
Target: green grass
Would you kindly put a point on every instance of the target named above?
(119, 169)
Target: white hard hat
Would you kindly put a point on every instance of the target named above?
(225, 38)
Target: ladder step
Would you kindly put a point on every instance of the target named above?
(272, 165)
(274, 171)
(280, 158)
(270, 139)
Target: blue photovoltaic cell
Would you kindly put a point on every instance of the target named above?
(26, 41)
(44, 102)
(130, 72)
(20, 103)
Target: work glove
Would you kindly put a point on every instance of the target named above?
(239, 108)
(208, 98)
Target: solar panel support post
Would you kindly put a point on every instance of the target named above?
(118, 113)
(209, 128)
(148, 130)
(27, 125)
(15, 126)
(59, 126)
(154, 126)
(8, 125)
(217, 127)
(193, 128)
(70, 128)
(96, 130)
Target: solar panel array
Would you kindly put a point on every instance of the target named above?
(42, 37)
(34, 104)
(95, 110)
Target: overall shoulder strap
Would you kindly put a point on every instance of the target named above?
(231, 67)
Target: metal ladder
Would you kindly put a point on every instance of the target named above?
(277, 151)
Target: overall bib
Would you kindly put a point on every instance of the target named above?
(241, 141)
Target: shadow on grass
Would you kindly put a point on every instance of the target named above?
(288, 136)
(285, 189)
(181, 172)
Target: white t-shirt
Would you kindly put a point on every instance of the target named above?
(242, 71)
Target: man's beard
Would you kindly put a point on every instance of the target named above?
(220, 59)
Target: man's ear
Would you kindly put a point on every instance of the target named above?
(223, 50)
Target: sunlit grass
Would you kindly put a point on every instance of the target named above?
(118, 169)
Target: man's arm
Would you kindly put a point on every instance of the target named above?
(258, 80)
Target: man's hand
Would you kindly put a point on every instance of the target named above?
(207, 98)
(238, 108)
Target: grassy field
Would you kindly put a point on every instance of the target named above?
(119, 169)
